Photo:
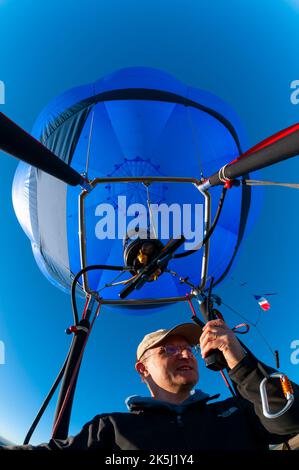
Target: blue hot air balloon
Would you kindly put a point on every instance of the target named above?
(119, 176)
(135, 122)
(118, 156)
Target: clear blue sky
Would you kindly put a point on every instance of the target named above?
(244, 52)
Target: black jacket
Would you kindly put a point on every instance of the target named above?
(233, 424)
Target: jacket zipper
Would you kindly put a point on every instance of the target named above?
(179, 420)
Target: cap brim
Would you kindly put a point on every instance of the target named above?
(190, 331)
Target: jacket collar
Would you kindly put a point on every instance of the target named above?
(136, 402)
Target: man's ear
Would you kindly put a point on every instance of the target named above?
(141, 369)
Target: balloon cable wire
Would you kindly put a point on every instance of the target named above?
(74, 375)
(89, 142)
(53, 388)
(152, 219)
(195, 141)
(270, 183)
(47, 399)
(212, 228)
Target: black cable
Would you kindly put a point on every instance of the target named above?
(47, 400)
(212, 228)
(211, 316)
(79, 274)
(69, 381)
(62, 370)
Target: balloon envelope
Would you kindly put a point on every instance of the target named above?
(134, 122)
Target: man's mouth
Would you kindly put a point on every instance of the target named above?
(184, 368)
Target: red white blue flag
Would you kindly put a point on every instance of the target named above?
(263, 302)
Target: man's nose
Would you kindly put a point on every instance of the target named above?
(185, 353)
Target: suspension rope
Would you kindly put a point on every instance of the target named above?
(74, 375)
(274, 353)
(111, 284)
(47, 399)
(87, 301)
(212, 228)
(152, 220)
(195, 141)
(183, 280)
(89, 142)
(270, 183)
(227, 383)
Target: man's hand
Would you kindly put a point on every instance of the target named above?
(217, 335)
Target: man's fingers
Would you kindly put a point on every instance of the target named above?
(212, 330)
(218, 343)
(211, 336)
(216, 322)
(214, 337)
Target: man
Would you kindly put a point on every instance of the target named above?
(171, 374)
(176, 417)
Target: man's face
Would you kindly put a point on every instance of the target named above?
(173, 373)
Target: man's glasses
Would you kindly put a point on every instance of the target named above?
(171, 350)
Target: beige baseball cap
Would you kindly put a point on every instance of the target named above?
(190, 331)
